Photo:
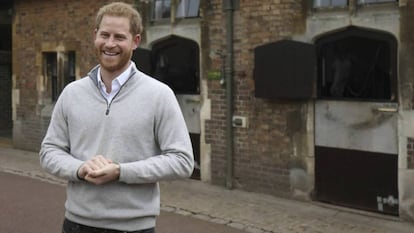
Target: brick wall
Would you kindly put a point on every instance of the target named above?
(263, 151)
(39, 24)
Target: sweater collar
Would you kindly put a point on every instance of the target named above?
(93, 74)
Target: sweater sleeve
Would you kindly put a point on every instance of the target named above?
(55, 157)
(176, 159)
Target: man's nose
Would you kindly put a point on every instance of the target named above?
(110, 42)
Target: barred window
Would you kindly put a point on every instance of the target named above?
(59, 70)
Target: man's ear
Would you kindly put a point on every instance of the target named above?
(136, 40)
(95, 33)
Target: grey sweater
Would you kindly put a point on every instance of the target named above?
(142, 129)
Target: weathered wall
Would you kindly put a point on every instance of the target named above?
(44, 26)
(274, 154)
(267, 149)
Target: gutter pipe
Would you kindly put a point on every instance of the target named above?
(229, 9)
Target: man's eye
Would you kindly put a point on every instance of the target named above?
(120, 37)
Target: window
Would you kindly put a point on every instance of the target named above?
(187, 8)
(162, 9)
(345, 3)
(330, 3)
(357, 64)
(59, 70)
(363, 2)
(176, 63)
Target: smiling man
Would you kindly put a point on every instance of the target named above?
(115, 134)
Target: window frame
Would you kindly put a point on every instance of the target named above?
(59, 69)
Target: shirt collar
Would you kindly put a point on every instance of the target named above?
(122, 78)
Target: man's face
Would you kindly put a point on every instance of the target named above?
(114, 44)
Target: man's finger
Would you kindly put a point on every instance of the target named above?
(99, 161)
(103, 175)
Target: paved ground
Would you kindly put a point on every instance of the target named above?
(33, 206)
(29, 206)
(251, 212)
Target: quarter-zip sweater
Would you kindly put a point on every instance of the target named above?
(142, 129)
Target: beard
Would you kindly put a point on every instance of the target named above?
(114, 63)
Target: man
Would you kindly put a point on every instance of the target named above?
(114, 134)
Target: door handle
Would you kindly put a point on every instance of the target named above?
(192, 100)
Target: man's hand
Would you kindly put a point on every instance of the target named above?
(108, 173)
(99, 170)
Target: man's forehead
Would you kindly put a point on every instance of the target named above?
(115, 22)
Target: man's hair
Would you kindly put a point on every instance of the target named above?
(123, 10)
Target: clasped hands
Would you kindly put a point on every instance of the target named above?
(99, 170)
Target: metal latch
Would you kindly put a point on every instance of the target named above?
(389, 107)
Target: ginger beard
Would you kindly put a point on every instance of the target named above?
(113, 61)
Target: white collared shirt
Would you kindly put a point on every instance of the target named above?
(116, 83)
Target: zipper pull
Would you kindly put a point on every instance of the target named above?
(107, 111)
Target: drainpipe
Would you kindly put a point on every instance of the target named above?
(228, 9)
